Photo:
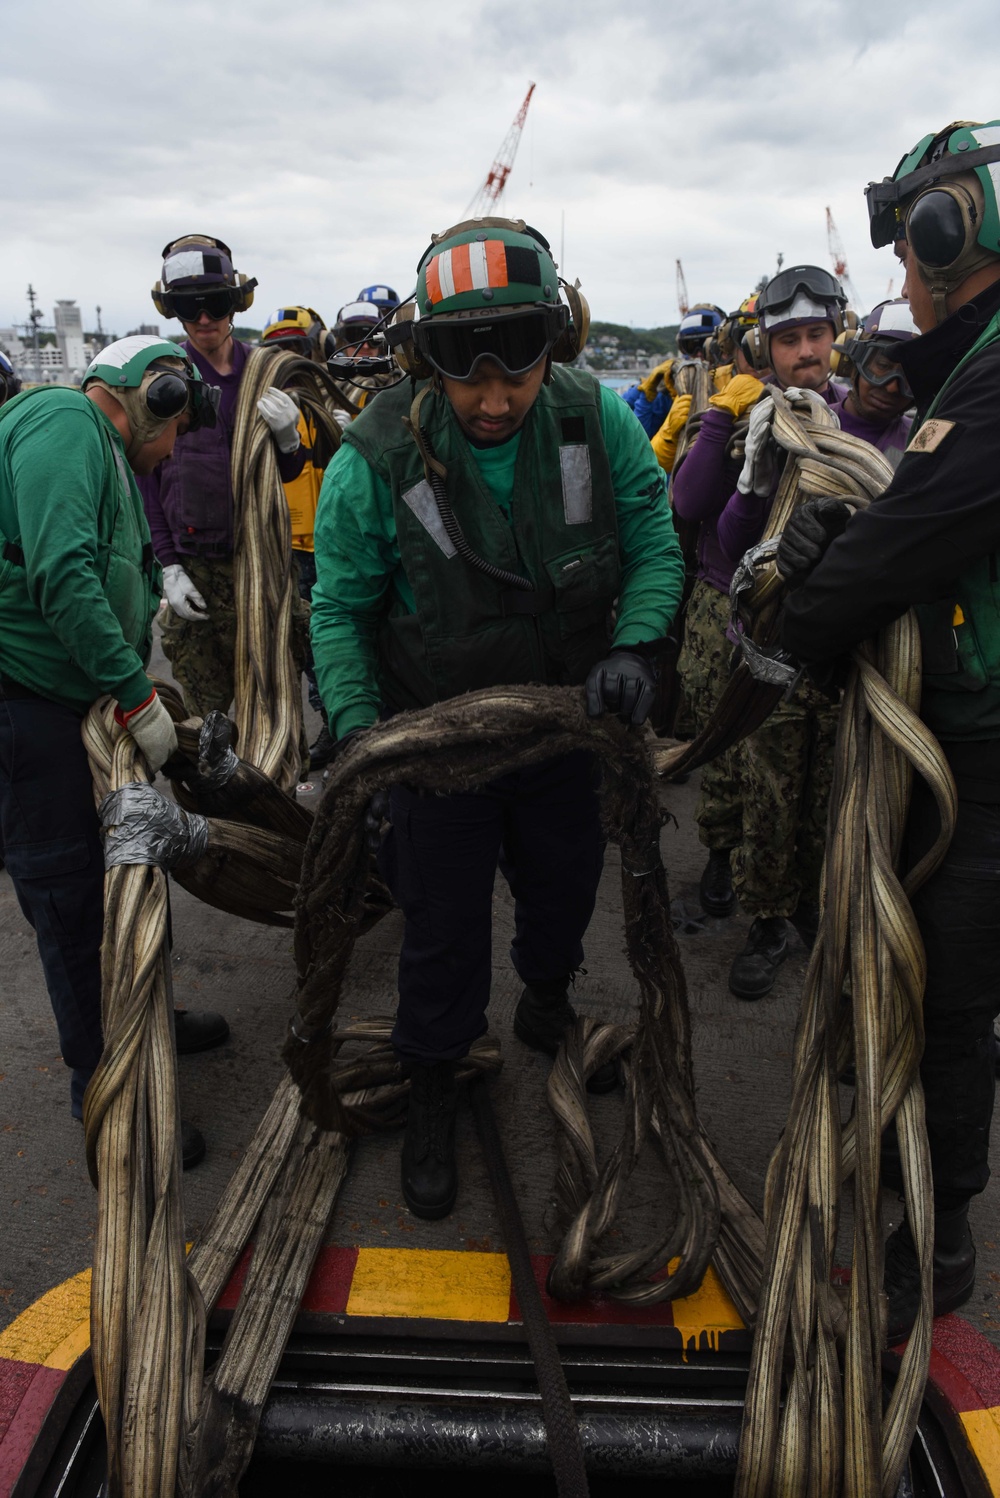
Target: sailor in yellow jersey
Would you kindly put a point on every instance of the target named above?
(301, 331)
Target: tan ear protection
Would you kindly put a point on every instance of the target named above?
(840, 362)
(399, 337)
(753, 347)
(573, 339)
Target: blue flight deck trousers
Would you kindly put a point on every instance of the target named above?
(542, 827)
(51, 846)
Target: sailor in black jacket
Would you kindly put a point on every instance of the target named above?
(932, 540)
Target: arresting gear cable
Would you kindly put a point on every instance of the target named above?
(172, 1428)
(271, 619)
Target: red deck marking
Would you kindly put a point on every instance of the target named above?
(977, 1360)
(26, 1395)
(596, 1310)
(330, 1283)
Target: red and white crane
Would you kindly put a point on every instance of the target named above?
(839, 257)
(682, 291)
(489, 195)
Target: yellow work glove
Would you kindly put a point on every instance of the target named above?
(651, 383)
(664, 444)
(742, 392)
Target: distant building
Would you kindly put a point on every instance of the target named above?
(69, 336)
(152, 328)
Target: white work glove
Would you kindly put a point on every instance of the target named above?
(152, 728)
(758, 465)
(282, 416)
(820, 409)
(182, 595)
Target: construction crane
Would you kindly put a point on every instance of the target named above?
(839, 257)
(682, 291)
(489, 195)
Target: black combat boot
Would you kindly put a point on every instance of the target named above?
(718, 897)
(754, 970)
(322, 749)
(954, 1271)
(542, 1017)
(429, 1172)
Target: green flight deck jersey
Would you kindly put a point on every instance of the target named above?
(574, 502)
(78, 583)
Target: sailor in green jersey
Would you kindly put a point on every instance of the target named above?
(546, 555)
(79, 588)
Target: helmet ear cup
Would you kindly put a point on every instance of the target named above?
(246, 286)
(158, 301)
(753, 348)
(399, 336)
(840, 361)
(573, 338)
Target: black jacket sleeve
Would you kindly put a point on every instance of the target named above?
(940, 514)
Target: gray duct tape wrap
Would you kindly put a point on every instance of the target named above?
(769, 663)
(143, 827)
(217, 760)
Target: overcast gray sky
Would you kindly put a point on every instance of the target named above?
(324, 140)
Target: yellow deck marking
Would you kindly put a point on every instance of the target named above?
(983, 1429)
(709, 1310)
(451, 1285)
(55, 1330)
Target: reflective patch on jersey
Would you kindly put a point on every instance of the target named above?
(577, 484)
(420, 499)
(931, 436)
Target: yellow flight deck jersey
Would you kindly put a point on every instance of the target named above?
(302, 493)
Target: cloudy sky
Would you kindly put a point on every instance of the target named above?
(325, 141)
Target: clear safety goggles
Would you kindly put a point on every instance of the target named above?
(457, 347)
(875, 361)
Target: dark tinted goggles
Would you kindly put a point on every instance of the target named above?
(886, 198)
(784, 287)
(189, 305)
(170, 394)
(456, 348)
(353, 335)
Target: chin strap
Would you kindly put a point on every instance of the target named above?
(432, 464)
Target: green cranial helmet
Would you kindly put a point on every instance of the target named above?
(489, 289)
(483, 265)
(154, 381)
(123, 363)
(943, 199)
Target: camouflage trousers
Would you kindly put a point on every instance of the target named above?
(201, 653)
(704, 669)
(787, 769)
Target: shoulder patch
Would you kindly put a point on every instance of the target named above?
(931, 436)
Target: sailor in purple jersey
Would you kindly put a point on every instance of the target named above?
(189, 498)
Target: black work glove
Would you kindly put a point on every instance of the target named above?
(624, 684)
(807, 535)
(377, 810)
